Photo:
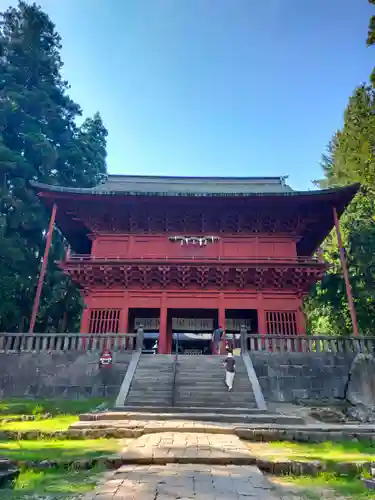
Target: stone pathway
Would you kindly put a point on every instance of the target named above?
(150, 426)
(186, 466)
(186, 482)
(187, 447)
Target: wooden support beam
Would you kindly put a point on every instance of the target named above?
(348, 287)
(43, 270)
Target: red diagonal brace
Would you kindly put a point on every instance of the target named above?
(43, 270)
(349, 294)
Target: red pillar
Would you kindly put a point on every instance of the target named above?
(222, 323)
(124, 320)
(43, 270)
(169, 338)
(349, 294)
(262, 327)
(85, 320)
(124, 324)
(301, 321)
(163, 349)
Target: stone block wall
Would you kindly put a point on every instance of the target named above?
(69, 374)
(292, 376)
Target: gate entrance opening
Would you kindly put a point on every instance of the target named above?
(234, 320)
(191, 330)
(149, 319)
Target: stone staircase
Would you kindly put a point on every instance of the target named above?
(189, 390)
(200, 383)
(152, 383)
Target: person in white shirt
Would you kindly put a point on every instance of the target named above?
(230, 370)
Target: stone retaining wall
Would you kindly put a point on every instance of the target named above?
(70, 375)
(291, 376)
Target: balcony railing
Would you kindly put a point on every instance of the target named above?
(310, 344)
(126, 342)
(72, 258)
(72, 342)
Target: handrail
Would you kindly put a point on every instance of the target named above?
(92, 258)
(128, 379)
(175, 361)
(309, 343)
(72, 342)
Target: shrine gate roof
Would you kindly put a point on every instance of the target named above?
(180, 186)
(246, 196)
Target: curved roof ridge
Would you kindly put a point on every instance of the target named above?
(193, 190)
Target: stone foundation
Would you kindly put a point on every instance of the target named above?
(293, 376)
(70, 375)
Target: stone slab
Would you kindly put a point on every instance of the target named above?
(186, 482)
(218, 416)
(187, 447)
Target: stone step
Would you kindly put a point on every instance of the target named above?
(152, 381)
(213, 393)
(215, 387)
(203, 386)
(151, 390)
(212, 387)
(194, 375)
(217, 416)
(145, 403)
(151, 394)
(222, 408)
(217, 404)
(155, 373)
(186, 409)
(150, 397)
(217, 396)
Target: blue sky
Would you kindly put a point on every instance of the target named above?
(215, 87)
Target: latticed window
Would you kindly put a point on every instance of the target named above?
(281, 322)
(104, 320)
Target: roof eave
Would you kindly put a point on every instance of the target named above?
(45, 188)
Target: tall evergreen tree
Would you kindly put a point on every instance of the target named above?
(350, 159)
(39, 140)
(371, 38)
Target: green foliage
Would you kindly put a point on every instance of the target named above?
(371, 38)
(61, 450)
(333, 454)
(327, 486)
(350, 158)
(22, 406)
(57, 483)
(39, 140)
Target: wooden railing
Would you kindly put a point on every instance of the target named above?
(310, 344)
(162, 258)
(72, 342)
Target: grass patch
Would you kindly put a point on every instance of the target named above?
(325, 486)
(56, 484)
(63, 413)
(346, 451)
(61, 450)
(53, 424)
(16, 406)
